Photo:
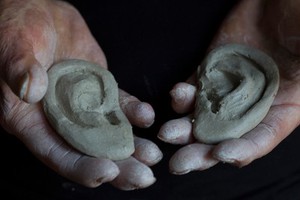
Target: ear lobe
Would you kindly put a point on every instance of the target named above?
(238, 86)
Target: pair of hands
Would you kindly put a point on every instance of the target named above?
(35, 34)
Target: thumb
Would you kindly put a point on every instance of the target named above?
(26, 77)
(24, 43)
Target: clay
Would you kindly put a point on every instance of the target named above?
(236, 87)
(82, 105)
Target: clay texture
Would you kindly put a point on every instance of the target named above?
(82, 105)
(237, 85)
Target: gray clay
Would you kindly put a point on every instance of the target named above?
(82, 105)
(237, 85)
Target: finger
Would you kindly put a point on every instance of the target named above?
(23, 47)
(85, 170)
(138, 113)
(133, 175)
(26, 77)
(277, 125)
(146, 151)
(177, 131)
(191, 158)
(183, 97)
(48, 147)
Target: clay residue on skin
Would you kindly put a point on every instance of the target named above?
(82, 105)
(237, 85)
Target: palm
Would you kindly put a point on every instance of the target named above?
(251, 23)
(47, 32)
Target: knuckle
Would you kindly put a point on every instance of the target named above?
(13, 113)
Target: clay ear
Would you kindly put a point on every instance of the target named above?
(237, 85)
(82, 105)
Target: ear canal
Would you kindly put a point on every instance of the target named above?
(112, 118)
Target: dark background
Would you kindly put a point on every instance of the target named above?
(150, 46)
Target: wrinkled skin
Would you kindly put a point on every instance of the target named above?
(34, 34)
(273, 27)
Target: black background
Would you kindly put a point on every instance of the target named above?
(150, 46)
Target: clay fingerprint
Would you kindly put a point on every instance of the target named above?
(236, 88)
(82, 105)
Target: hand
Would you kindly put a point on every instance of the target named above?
(270, 26)
(34, 34)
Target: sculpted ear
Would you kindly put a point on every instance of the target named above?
(236, 87)
(82, 106)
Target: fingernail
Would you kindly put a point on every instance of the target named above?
(179, 166)
(229, 156)
(176, 131)
(168, 132)
(180, 172)
(99, 182)
(34, 84)
(24, 85)
(225, 159)
(146, 183)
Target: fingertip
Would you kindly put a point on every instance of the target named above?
(140, 114)
(133, 175)
(27, 79)
(108, 171)
(33, 84)
(177, 131)
(194, 157)
(183, 97)
(93, 172)
(147, 152)
(234, 151)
